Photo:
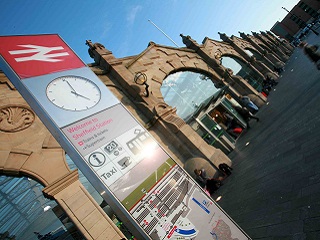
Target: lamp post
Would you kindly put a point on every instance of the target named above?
(304, 23)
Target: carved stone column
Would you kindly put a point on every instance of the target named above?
(81, 208)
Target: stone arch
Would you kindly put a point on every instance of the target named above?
(240, 58)
(250, 75)
(174, 61)
(272, 48)
(28, 149)
(264, 47)
(255, 53)
(156, 62)
(217, 81)
(22, 162)
(259, 57)
(197, 80)
(23, 152)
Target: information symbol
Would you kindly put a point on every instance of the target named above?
(97, 159)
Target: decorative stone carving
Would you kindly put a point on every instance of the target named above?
(168, 114)
(228, 73)
(98, 45)
(6, 81)
(252, 59)
(15, 118)
(218, 55)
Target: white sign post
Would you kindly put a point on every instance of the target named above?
(154, 196)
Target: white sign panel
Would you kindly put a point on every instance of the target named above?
(135, 175)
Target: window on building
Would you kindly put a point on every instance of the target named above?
(313, 13)
(293, 18)
(301, 4)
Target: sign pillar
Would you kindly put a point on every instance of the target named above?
(145, 187)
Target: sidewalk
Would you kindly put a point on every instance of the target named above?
(274, 191)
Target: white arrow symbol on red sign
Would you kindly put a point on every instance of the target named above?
(41, 53)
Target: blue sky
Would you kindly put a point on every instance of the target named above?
(122, 26)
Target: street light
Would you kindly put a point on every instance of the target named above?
(304, 23)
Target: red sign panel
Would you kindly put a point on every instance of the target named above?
(36, 55)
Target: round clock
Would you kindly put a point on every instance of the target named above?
(73, 93)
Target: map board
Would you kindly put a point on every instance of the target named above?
(132, 172)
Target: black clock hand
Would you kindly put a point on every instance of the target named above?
(77, 94)
(71, 87)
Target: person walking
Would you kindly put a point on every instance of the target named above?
(312, 51)
(246, 114)
(246, 102)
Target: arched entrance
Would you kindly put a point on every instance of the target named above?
(258, 56)
(26, 214)
(205, 107)
(241, 69)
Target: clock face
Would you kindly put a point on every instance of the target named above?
(73, 93)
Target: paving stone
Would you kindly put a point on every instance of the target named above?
(312, 224)
(285, 229)
(313, 235)
(274, 191)
(292, 215)
(258, 233)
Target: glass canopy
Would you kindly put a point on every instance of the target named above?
(187, 91)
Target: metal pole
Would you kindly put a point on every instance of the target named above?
(163, 32)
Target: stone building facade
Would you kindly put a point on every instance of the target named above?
(28, 149)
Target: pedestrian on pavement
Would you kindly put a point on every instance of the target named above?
(212, 185)
(246, 114)
(225, 169)
(232, 125)
(246, 102)
(209, 184)
(312, 51)
(201, 176)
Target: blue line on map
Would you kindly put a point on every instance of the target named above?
(203, 207)
(214, 235)
(186, 232)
